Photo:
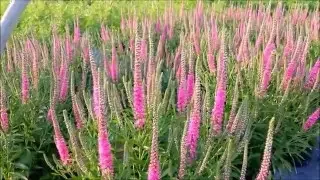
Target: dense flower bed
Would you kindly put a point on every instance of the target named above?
(191, 94)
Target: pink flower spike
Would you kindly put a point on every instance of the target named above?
(267, 53)
(194, 125)
(267, 60)
(62, 148)
(220, 96)
(314, 71)
(313, 118)
(182, 95)
(105, 155)
(138, 89)
(153, 172)
(64, 80)
(289, 73)
(218, 110)
(59, 140)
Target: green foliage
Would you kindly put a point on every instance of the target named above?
(40, 16)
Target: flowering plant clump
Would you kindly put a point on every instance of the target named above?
(190, 94)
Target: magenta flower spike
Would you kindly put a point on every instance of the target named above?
(218, 110)
(313, 73)
(153, 172)
(62, 148)
(182, 95)
(291, 69)
(313, 118)
(104, 146)
(64, 80)
(105, 155)
(182, 89)
(59, 140)
(266, 74)
(138, 89)
(194, 125)
(220, 96)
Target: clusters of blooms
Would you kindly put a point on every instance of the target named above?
(182, 89)
(138, 89)
(313, 73)
(220, 96)
(162, 78)
(194, 123)
(312, 119)
(24, 80)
